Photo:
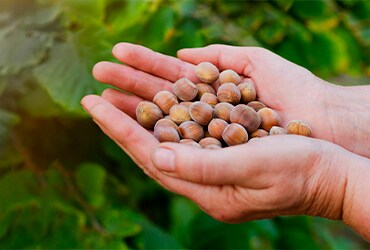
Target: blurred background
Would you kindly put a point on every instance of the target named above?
(64, 184)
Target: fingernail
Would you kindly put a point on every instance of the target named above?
(164, 159)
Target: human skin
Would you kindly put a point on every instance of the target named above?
(277, 175)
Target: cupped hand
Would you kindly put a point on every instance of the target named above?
(293, 91)
(277, 175)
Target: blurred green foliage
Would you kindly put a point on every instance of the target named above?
(63, 184)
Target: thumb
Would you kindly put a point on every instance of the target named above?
(202, 166)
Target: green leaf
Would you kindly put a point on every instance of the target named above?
(17, 196)
(90, 179)
(183, 212)
(160, 29)
(329, 53)
(66, 77)
(119, 223)
(95, 240)
(127, 14)
(38, 103)
(152, 236)
(64, 231)
(312, 9)
(82, 11)
(6, 219)
(22, 49)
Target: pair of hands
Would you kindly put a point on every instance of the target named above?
(267, 177)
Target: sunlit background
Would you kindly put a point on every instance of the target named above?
(64, 184)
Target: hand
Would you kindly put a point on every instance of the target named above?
(277, 175)
(266, 177)
(319, 185)
(286, 87)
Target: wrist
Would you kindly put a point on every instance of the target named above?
(356, 203)
(348, 112)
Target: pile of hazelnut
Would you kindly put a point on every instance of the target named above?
(200, 115)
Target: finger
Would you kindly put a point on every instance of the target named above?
(133, 138)
(251, 165)
(222, 56)
(154, 63)
(130, 79)
(208, 167)
(123, 101)
(137, 143)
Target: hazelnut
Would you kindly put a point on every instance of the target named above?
(204, 88)
(190, 142)
(256, 105)
(179, 113)
(207, 72)
(185, 89)
(216, 127)
(166, 134)
(247, 91)
(276, 130)
(299, 128)
(222, 110)
(147, 114)
(166, 122)
(191, 130)
(209, 141)
(201, 112)
(229, 92)
(165, 100)
(259, 133)
(209, 98)
(229, 75)
(235, 134)
(245, 116)
(269, 118)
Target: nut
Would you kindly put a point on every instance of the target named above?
(269, 118)
(276, 130)
(247, 91)
(299, 128)
(204, 88)
(256, 105)
(166, 134)
(165, 100)
(166, 122)
(147, 114)
(207, 72)
(190, 142)
(229, 92)
(209, 98)
(216, 127)
(191, 130)
(235, 134)
(207, 113)
(201, 112)
(222, 110)
(179, 113)
(245, 116)
(185, 89)
(209, 141)
(229, 75)
(259, 133)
